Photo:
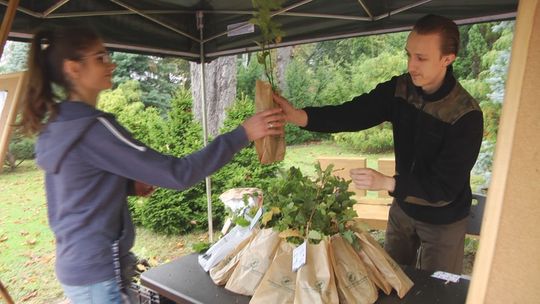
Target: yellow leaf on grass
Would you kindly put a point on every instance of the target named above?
(3, 238)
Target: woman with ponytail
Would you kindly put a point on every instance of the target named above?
(92, 163)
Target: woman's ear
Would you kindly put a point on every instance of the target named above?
(71, 69)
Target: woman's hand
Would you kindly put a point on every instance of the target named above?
(269, 122)
(292, 115)
(369, 179)
(142, 189)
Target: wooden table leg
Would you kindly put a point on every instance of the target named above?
(5, 295)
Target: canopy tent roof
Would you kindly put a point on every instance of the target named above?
(169, 27)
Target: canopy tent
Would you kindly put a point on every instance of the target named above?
(203, 30)
(167, 27)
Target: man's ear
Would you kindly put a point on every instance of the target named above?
(71, 69)
(448, 59)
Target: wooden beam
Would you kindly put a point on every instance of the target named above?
(506, 269)
(13, 84)
(7, 20)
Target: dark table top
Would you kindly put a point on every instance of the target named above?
(184, 281)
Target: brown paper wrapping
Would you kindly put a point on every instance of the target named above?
(353, 283)
(221, 273)
(390, 270)
(270, 148)
(277, 285)
(251, 267)
(315, 282)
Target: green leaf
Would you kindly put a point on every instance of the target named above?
(242, 222)
(200, 247)
(314, 235)
(349, 236)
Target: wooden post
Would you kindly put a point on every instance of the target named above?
(5, 295)
(13, 84)
(7, 20)
(507, 267)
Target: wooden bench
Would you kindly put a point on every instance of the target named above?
(372, 207)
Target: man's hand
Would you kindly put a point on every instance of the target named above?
(144, 190)
(292, 115)
(369, 179)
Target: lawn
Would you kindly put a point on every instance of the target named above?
(27, 244)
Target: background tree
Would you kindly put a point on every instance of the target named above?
(14, 57)
(220, 78)
(158, 77)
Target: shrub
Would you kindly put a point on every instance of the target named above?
(20, 148)
(374, 140)
(173, 212)
(170, 211)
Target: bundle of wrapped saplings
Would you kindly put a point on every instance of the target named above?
(304, 246)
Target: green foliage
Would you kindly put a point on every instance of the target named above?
(303, 89)
(378, 139)
(244, 170)
(20, 148)
(246, 76)
(158, 77)
(14, 57)
(347, 51)
(200, 247)
(177, 212)
(145, 123)
(301, 208)
(170, 211)
(477, 88)
(270, 32)
(366, 73)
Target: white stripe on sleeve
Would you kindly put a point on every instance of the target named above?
(118, 135)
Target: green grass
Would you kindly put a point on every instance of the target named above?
(27, 249)
(305, 156)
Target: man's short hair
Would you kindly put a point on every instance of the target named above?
(446, 28)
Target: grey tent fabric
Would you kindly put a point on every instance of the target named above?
(169, 27)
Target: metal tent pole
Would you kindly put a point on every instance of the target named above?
(200, 27)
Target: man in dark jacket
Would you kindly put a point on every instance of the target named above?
(437, 128)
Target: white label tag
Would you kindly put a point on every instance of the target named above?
(256, 218)
(446, 276)
(299, 256)
(241, 28)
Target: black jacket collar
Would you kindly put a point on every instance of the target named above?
(447, 86)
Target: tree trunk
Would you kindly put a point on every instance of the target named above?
(220, 91)
(284, 55)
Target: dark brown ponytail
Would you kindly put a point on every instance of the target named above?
(48, 50)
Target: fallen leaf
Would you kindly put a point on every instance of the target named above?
(152, 262)
(3, 238)
(29, 296)
(31, 242)
(24, 232)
